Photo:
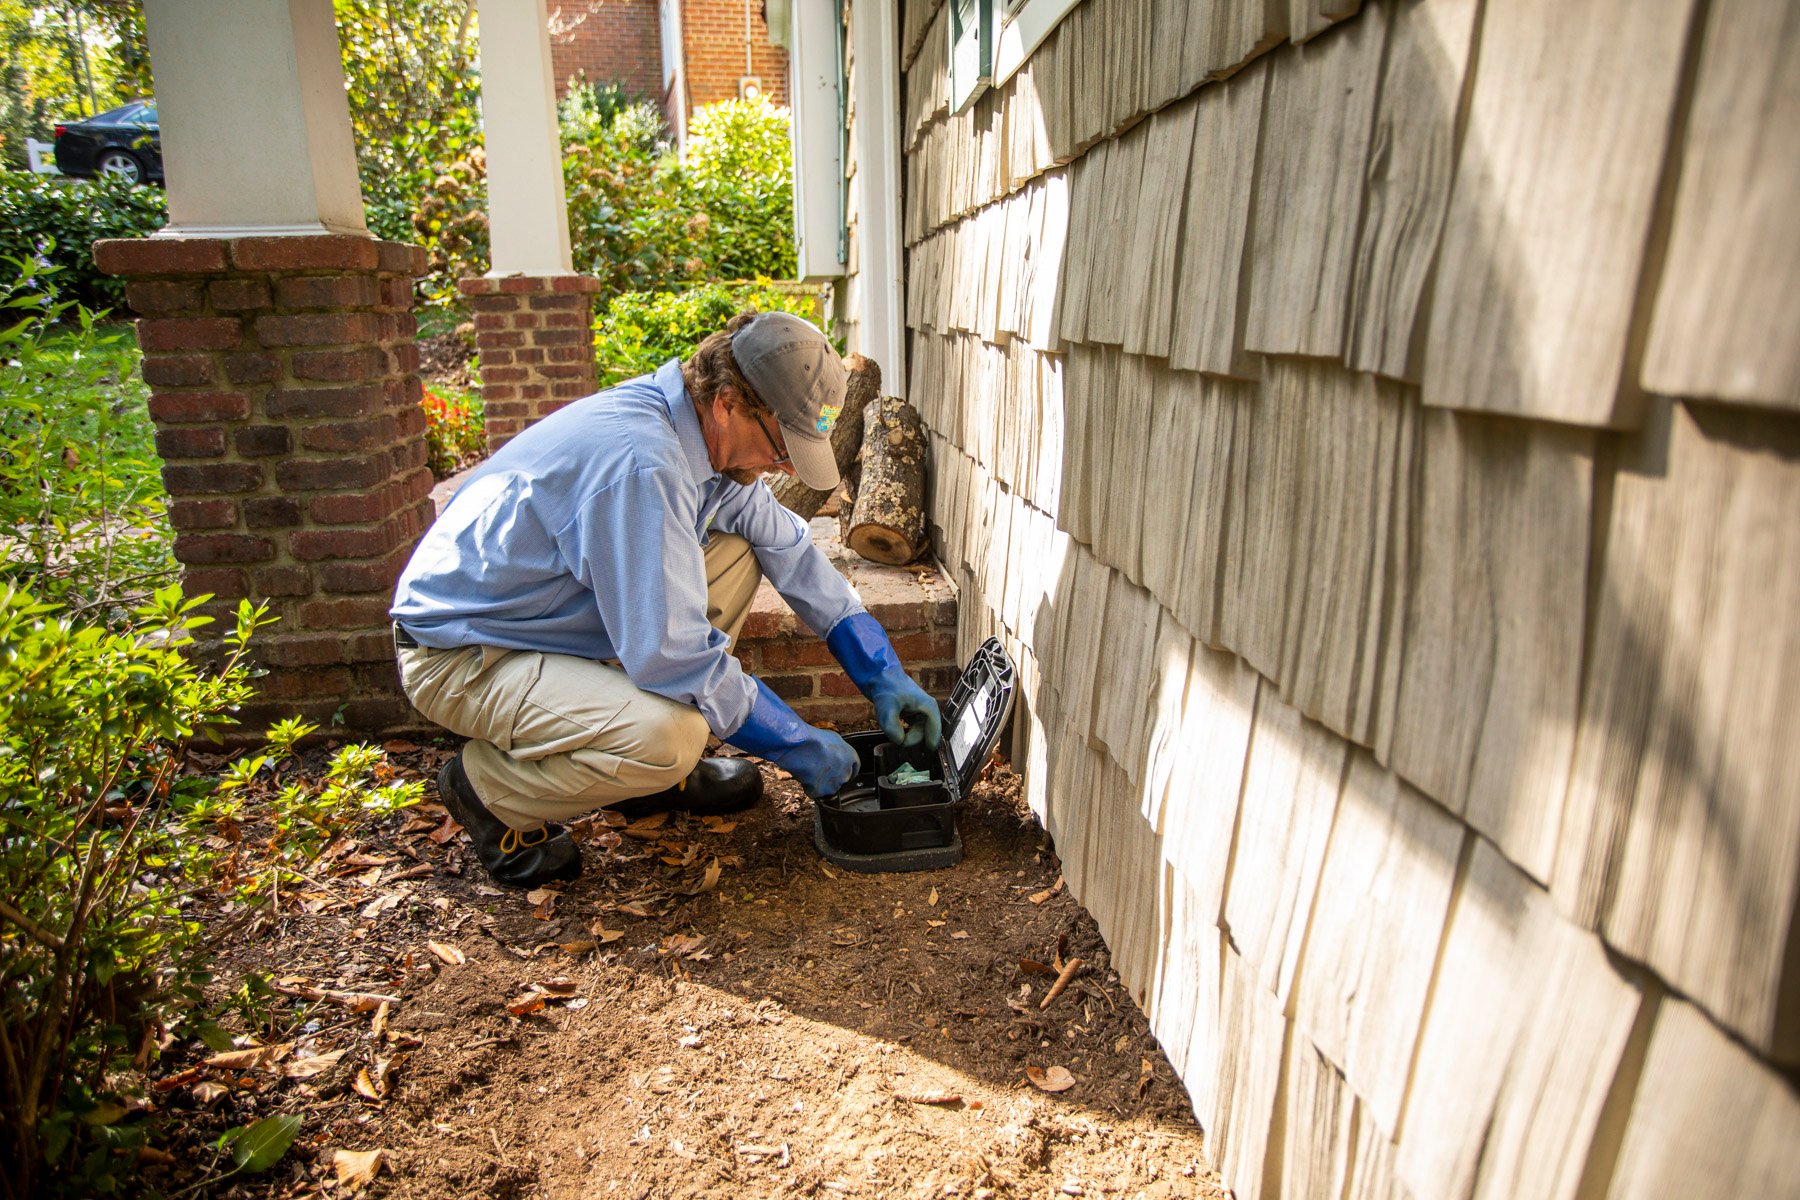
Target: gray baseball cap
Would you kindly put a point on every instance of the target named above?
(798, 374)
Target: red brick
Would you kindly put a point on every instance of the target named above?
(403, 258)
(354, 508)
(520, 284)
(842, 714)
(283, 581)
(233, 295)
(318, 474)
(356, 401)
(212, 479)
(488, 322)
(316, 545)
(498, 339)
(562, 337)
(938, 681)
(576, 352)
(790, 687)
(216, 513)
(340, 366)
(505, 375)
(585, 284)
(272, 512)
(836, 683)
(502, 409)
(555, 371)
(178, 370)
(159, 256)
(409, 423)
(215, 581)
(795, 652)
(566, 320)
(190, 442)
(189, 333)
(307, 685)
(353, 577)
(406, 358)
(925, 647)
(525, 320)
(396, 292)
(324, 252)
(494, 304)
(156, 297)
(182, 408)
(349, 435)
(261, 441)
(361, 612)
(223, 548)
(400, 325)
(300, 650)
(771, 624)
(491, 357)
(533, 391)
(327, 291)
(566, 390)
(317, 329)
(527, 356)
(547, 304)
(252, 366)
(369, 646)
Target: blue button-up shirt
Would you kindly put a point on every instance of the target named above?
(583, 536)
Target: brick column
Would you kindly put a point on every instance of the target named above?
(535, 338)
(283, 384)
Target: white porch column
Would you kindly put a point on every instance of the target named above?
(528, 215)
(255, 127)
(875, 34)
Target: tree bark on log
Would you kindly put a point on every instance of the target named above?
(887, 524)
(863, 386)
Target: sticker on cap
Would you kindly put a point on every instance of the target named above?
(828, 415)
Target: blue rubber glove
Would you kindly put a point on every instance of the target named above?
(905, 713)
(822, 761)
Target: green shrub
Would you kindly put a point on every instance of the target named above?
(588, 111)
(58, 221)
(739, 172)
(100, 844)
(81, 495)
(643, 330)
(455, 429)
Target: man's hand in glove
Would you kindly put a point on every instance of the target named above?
(822, 761)
(906, 714)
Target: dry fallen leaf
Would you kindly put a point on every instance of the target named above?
(646, 827)
(1055, 1079)
(1040, 897)
(929, 1097)
(635, 909)
(932, 899)
(530, 1002)
(399, 746)
(207, 1092)
(681, 943)
(1032, 966)
(599, 930)
(560, 986)
(449, 954)
(960, 934)
(356, 1169)
(366, 1086)
(306, 1068)
(718, 824)
(935, 924)
(253, 1058)
(708, 881)
(445, 832)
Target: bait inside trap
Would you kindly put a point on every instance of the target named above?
(877, 823)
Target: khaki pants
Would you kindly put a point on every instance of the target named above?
(552, 736)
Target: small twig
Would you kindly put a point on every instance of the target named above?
(38, 932)
(1062, 981)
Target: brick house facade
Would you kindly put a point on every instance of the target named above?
(621, 41)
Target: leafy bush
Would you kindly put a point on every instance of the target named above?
(588, 110)
(455, 429)
(81, 494)
(740, 174)
(99, 846)
(59, 220)
(643, 330)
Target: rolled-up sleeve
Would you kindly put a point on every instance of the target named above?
(633, 545)
(790, 561)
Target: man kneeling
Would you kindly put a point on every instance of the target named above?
(573, 610)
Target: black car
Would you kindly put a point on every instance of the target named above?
(124, 142)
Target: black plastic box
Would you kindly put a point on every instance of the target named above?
(874, 825)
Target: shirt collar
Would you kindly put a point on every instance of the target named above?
(685, 420)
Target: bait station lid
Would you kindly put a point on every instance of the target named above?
(880, 823)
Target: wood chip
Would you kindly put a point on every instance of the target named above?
(929, 1097)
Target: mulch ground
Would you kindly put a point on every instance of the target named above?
(710, 1011)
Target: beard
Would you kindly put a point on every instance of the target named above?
(740, 475)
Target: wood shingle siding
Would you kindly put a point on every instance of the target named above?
(1369, 427)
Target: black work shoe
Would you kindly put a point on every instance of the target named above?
(514, 857)
(716, 785)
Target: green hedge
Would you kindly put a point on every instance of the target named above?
(57, 221)
(641, 331)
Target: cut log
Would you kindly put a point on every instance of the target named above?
(863, 385)
(888, 523)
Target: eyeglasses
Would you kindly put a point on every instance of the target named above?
(781, 458)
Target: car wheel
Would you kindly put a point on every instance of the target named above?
(120, 163)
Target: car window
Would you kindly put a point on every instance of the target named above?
(121, 114)
(147, 113)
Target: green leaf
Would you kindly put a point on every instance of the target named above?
(260, 1146)
(214, 1037)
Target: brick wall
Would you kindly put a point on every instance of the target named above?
(534, 336)
(713, 40)
(283, 383)
(609, 41)
(776, 648)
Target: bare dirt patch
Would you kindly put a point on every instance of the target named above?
(710, 1011)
